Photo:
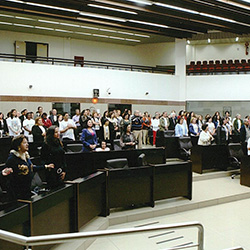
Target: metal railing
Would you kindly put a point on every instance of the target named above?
(85, 63)
(63, 238)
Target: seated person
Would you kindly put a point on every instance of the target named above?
(128, 140)
(103, 147)
(205, 137)
(19, 169)
(181, 128)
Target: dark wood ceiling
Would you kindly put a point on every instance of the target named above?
(171, 18)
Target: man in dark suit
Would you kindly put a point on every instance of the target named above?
(53, 117)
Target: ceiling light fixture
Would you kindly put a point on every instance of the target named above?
(3, 15)
(98, 35)
(188, 41)
(23, 25)
(209, 40)
(176, 8)
(102, 16)
(24, 18)
(132, 40)
(6, 23)
(47, 21)
(52, 7)
(43, 28)
(145, 2)
(82, 33)
(15, 1)
(69, 24)
(113, 9)
(237, 39)
(147, 23)
(66, 31)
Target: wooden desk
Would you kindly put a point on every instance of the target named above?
(83, 164)
(245, 171)
(132, 186)
(52, 213)
(91, 198)
(209, 157)
(173, 179)
(16, 220)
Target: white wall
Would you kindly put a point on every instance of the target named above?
(65, 81)
(149, 55)
(218, 88)
(216, 52)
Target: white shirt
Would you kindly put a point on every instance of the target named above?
(155, 124)
(28, 124)
(205, 138)
(70, 132)
(248, 146)
(100, 149)
(14, 125)
(211, 127)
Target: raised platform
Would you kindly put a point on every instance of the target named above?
(209, 190)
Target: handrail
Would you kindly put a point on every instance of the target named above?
(234, 248)
(62, 238)
(107, 65)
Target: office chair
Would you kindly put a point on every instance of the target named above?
(77, 147)
(235, 154)
(117, 145)
(117, 163)
(141, 161)
(185, 145)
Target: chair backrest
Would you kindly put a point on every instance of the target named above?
(117, 145)
(74, 147)
(117, 163)
(142, 160)
(235, 150)
(168, 133)
(185, 142)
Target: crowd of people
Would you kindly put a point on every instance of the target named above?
(133, 130)
(97, 133)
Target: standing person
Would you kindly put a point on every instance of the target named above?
(52, 152)
(89, 138)
(194, 130)
(76, 120)
(211, 126)
(27, 127)
(53, 117)
(180, 128)
(172, 121)
(84, 119)
(127, 140)
(38, 131)
(67, 127)
(244, 135)
(146, 124)
(125, 122)
(164, 122)
(14, 124)
(22, 168)
(46, 121)
(237, 124)
(3, 125)
(136, 122)
(205, 137)
(107, 133)
(39, 112)
(112, 120)
(23, 116)
(97, 123)
(104, 117)
(155, 126)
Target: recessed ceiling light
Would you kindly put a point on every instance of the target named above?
(188, 41)
(133, 40)
(176, 8)
(43, 28)
(117, 38)
(98, 35)
(88, 27)
(209, 40)
(3, 15)
(237, 39)
(24, 18)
